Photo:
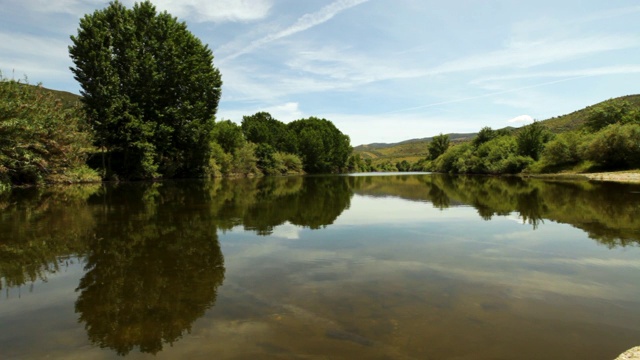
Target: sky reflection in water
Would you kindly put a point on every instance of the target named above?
(391, 275)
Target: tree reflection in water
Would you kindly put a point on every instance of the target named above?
(606, 211)
(154, 263)
(153, 267)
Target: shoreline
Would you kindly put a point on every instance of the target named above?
(626, 176)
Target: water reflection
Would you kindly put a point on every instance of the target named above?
(153, 262)
(607, 212)
(312, 202)
(153, 268)
(38, 227)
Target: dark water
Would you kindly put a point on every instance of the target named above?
(344, 267)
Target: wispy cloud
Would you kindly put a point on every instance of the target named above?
(216, 11)
(195, 10)
(33, 56)
(303, 23)
(586, 72)
(73, 7)
(526, 54)
(22, 45)
(485, 95)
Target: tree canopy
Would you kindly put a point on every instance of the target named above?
(438, 145)
(150, 91)
(262, 128)
(322, 147)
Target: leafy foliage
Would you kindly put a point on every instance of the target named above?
(149, 89)
(321, 146)
(531, 140)
(611, 112)
(40, 140)
(615, 147)
(228, 135)
(262, 128)
(438, 146)
(485, 134)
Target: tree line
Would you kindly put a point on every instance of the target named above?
(149, 96)
(608, 140)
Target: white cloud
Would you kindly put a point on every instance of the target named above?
(29, 47)
(39, 58)
(196, 10)
(73, 7)
(217, 10)
(521, 119)
(303, 23)
(286, 112)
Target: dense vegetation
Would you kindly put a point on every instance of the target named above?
(40, 139)
(602, 137)
(150, 93)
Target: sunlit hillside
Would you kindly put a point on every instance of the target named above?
(413, 150)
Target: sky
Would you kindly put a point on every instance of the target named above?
(380, 70)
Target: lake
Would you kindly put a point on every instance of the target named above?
(376, 266)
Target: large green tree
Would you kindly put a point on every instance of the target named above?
(150, 90)
(322, 147)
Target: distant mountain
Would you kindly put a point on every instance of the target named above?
(452, 137)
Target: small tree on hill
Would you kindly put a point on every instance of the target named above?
(438, 146)
(531, 140)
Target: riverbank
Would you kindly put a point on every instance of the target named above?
(631, 176)
(631, 354)
(628, 176)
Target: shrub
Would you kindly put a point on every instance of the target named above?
(615, 147)
(447, 162)
(40, 140)
(610, 112)
(531, 140)
(563, 150)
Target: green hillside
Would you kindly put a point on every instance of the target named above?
(415, 149)
(576, 119)
(68, 99)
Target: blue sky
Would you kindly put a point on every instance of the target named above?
(381, 70)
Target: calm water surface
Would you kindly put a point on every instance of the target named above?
(371, 267)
